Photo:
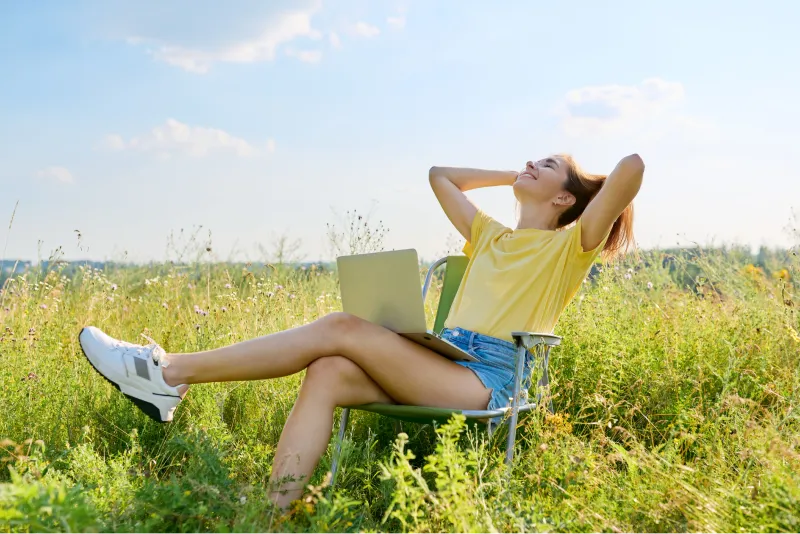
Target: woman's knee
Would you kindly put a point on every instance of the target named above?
(341, 328)
(330, 372)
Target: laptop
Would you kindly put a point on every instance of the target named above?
(384, 288)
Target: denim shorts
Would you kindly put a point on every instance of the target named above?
(495, 365)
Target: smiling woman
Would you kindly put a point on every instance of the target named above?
(519, 279)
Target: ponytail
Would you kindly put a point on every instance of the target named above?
(584, 187)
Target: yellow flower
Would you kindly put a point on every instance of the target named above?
(783, 274)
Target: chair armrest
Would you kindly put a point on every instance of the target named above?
(531, 339)
(427, 284)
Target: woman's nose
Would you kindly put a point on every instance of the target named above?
(531, 165)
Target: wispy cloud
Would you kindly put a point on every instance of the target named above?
(176, 138)
(279, 30)
(306, 56)
(363, 29)
(651, 107)
(59, 174)
(398, 22)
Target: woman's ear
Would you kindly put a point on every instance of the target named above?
(564, 198)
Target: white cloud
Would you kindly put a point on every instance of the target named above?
(362, 29)
(112, 142)
(306, 56)
(650, 108)
(336, 42)
(270, 146)
(59, 174)
(397, 22)
(280, 30)
(175, 137)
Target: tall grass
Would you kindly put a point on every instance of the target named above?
(676, 410)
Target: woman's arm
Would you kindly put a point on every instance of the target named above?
(617, 192)
(449, 184)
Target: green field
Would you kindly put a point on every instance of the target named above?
(676, 398)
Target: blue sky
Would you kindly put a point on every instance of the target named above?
(131, 120)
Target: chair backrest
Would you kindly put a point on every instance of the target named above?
(453, 274)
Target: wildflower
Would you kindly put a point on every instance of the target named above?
(190, 286)
(278, 287)
(43, 306)
(649, 285)
(113, 287)
(291, 296)
(165, 305)
(227, 286)
(242, 499)
(270, 294)
(223, 309)
(627, 276)
(110, 298)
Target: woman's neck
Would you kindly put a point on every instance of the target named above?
(538, 216)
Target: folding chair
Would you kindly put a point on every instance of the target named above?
(538, 344)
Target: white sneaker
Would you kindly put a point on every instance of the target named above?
(135, 370)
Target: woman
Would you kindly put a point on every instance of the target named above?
(519, 279)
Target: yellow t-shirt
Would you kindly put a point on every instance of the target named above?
(518, 280)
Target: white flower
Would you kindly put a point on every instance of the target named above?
(227, 286)
(649, 285)
(627, 276)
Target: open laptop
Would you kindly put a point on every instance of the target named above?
(384, 288)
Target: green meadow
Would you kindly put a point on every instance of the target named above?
(675, 391)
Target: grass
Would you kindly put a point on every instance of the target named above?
(675, 411)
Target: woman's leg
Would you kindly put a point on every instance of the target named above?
(409, 373)
(329, 382)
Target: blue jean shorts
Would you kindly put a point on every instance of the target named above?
(495, 365)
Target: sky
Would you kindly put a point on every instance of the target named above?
(124, 122)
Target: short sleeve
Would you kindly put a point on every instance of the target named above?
(483, 226)
(581, 260)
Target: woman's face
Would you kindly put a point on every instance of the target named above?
(541, 180)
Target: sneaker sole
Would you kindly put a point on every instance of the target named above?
(150, 409)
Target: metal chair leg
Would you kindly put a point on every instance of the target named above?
(338, 449)
(512, 428)
(544, 382)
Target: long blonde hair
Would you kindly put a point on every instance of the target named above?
(584, 187)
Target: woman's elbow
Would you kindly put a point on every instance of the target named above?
(436, 174)
(635, 163)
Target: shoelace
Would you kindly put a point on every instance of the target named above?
(155, 350)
